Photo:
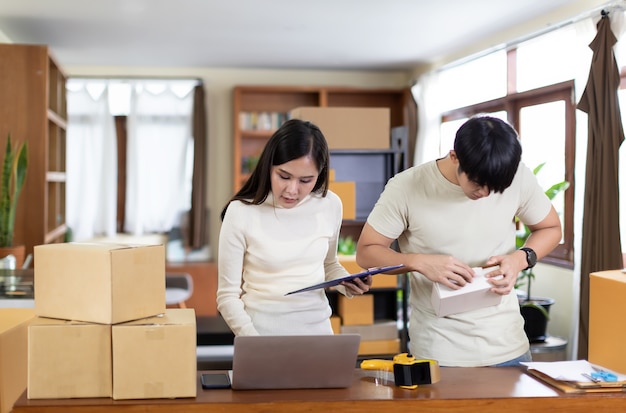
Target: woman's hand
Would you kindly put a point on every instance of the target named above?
(359, 285)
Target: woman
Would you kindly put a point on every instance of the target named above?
(279, 234)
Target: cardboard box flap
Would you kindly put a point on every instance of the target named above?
(107, 246)
(173, 316)
(13, 317)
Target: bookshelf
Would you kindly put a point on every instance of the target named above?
(259, 110)
(34, 109)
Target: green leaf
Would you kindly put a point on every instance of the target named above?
(14, 168)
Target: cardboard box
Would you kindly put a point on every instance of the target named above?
(156, 357)
(380, 330)
(347, 193)
(358, 310)
(13, 354)
(472, 296)
(349, 128)
(380, 347)
(68, 359)
(98, 282)
(607, 317)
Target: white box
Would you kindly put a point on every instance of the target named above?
(471, 296)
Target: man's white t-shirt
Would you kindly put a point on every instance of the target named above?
(430, 215)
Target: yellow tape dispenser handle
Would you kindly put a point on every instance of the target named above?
(375, 364)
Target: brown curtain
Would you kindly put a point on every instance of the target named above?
(198, 231)
(601, 234)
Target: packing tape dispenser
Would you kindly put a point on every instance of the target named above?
(407, 371)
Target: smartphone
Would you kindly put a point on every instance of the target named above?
(215, 381)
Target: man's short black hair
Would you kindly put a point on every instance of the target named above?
(489, 152)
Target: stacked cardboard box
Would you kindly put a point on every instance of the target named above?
(356, 315)
(102, 328)
(13, 354)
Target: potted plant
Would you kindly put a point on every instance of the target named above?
(535, 310)
(14, 168)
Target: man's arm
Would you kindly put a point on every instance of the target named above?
(374, 250)
(544, 237)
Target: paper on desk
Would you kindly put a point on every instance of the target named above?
(568, 370)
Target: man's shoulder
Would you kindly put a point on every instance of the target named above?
(415, 172)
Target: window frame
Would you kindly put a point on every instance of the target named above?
(512, 103)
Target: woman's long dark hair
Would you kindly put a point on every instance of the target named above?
(294, 139)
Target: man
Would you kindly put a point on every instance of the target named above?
(455, 213)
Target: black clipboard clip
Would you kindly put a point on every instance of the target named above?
(337, 281)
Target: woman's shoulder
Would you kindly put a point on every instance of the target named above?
(332, 197)
(238, 207)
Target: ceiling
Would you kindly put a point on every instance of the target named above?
(273, 34)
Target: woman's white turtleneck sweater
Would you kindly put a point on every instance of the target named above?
(266, 251)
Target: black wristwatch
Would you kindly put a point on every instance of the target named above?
(531, 257)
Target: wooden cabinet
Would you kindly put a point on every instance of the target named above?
(33, 108)
(259, 110)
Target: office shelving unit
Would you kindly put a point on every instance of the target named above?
(34, 109)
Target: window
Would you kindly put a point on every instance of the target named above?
(539, 103)
(145, 127)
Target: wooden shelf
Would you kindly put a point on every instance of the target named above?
(248, 142)
(35, 110)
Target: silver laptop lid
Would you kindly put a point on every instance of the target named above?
(294, 362)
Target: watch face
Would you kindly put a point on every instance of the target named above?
(531, 257)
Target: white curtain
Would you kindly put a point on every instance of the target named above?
(427, 98)
(91, 192)
(160, 155)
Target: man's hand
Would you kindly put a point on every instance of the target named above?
(504, 278)
(444, 269)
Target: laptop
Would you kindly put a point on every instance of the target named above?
(294, 362)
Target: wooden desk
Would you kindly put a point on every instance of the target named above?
(460, 390)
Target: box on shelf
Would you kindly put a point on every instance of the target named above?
(99, 282)
(471, 296)
(349, 263)
(346, 191)
(380, 330)
(335, 323)
(155, 357)
(607, 316)
(349, 127)
(68, 359)
(357, 310)
(379, 347)
(378, 281)
(13, 354)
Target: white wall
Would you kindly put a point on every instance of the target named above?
(218, 84)
(557, 283)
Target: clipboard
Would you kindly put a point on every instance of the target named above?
(564, 376)
(579, 387)
(337, 281)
